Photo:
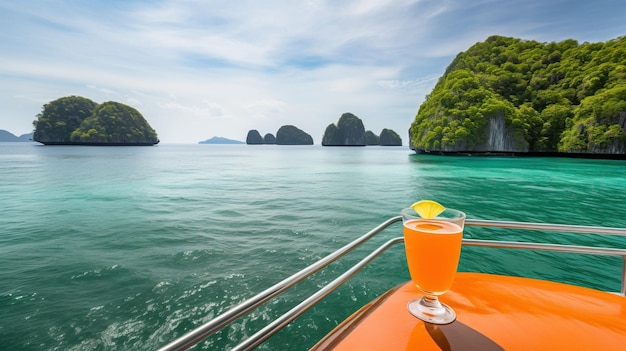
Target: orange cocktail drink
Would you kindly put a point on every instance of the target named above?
(433, 236)
(433, 249)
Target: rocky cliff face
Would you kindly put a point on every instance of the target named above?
(500, 138)
(349, 131)
(615, 145)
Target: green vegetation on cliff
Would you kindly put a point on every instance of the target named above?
(564, 96)
(77, 120)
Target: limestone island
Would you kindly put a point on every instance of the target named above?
(350, 131)
(508, 96)
(76, 120)
(286, 135)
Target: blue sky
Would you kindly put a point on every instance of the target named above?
(197, 69)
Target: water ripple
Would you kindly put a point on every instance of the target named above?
(124, 249)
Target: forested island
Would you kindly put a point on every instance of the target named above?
(76, 120)
(522, 96)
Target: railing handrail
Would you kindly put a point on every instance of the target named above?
(193, 337)
(546, 226)
(280, 322)
(198, 334)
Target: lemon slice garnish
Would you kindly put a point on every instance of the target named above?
(427, 208)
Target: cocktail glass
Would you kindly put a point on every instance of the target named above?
(433, 248)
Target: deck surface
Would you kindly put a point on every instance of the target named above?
(493, 313)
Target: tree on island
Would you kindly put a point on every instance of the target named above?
(77, 120)
(61, 117)
(113, 122)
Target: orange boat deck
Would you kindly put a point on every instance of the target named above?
(493, 313)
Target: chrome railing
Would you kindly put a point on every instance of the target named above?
(200, 333)
(214, 325)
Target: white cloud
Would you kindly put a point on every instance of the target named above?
(409, 85)
(133, 102)
(205, 110)
(267, 105)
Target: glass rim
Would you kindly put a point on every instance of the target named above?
(409, 211)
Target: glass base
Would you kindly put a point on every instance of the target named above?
(431, 311)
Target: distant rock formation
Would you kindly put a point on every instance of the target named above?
(332, 136)
(269, 138)
(371, 138)
(254, 137)
(290, 135)
(6, 136)
(389, 137)
(220, 140)
(25, 137)
(349, 131)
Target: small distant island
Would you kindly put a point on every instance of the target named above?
(76, 120)
(220, 140)
(8, 137)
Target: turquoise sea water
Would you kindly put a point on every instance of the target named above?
(128, 248)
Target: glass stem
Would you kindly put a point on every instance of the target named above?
(432, 303)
